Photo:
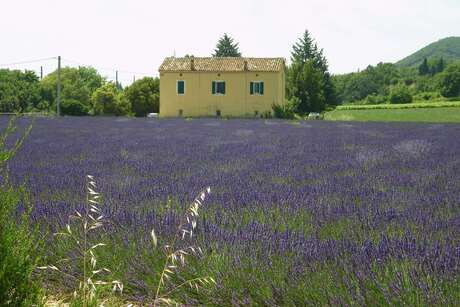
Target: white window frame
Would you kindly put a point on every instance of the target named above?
(219, 94)
(177, 87)
(254, 82)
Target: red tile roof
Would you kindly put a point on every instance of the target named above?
(222, 64)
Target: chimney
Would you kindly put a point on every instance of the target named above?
(245, 65)
(192, 63)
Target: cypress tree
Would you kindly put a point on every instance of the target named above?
(424, 68)
(440, 65)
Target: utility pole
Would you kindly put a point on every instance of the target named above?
(134, 79)
(116, 78)
(41, 72)
(58, 105)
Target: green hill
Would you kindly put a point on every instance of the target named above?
(447, 48)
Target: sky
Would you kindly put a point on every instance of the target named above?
(134, 36)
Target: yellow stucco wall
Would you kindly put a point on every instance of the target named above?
(198, 99)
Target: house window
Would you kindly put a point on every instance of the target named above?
(218, 87)
(256, 88)
(180, 87)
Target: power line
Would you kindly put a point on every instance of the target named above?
(28, 62)
(107, 68)
(139, 73)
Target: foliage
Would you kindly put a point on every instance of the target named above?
(424, 69)
(19, 242)
(108, 99)
(447, 48)
(286, 111)
(400, 94)
(376, 99)
(19, 91)
(429, 113)
(74, 107)
(144, 96)
(77, 87)
(305, 83)
(226, 47)
(415, 105)
(427, 96)
(308, 78)
(433, 67)
(374, 80)
(450, 81)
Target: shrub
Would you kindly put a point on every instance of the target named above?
(18, 241)
(400, 94)
(109, 100)
(18, 250)
(144, 96)
(427, 96)
(450, 81)
(74, 107)
(286, 111)
(266, 114)
(376, 99)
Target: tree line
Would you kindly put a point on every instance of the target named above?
(310, 87)
(83, 92)
(389, 83)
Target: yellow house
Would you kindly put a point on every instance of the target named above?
(193, 86)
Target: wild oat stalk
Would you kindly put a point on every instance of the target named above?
(176, 258)
(86, 222)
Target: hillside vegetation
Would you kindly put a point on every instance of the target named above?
(447, 48)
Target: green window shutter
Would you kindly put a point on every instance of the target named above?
(223, 87)
(251, 88)
(213, 86)
(261, 88)
(180, 87)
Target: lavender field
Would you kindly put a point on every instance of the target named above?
(300, 213)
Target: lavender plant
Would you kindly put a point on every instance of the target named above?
(319, 212)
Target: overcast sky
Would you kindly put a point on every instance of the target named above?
(136, 35)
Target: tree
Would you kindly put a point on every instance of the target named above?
(144, 96)
(400, 94)
(308, 77)
(450, 81)
(307, 87)
(78, 85)
(19, 91)
(440, 65)
(109, 100)
(70, 106)
(226, 47)
(424, 69)
(374, 80)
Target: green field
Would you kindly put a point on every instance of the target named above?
(415, 105)
(435, 115)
